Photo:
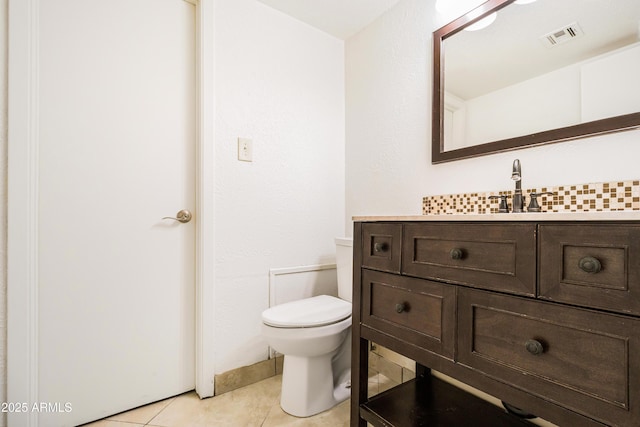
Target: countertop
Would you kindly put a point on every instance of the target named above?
(525, 216)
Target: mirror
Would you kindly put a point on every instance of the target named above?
(542, 72)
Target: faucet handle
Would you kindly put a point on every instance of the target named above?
(503, 207)
(533, 203)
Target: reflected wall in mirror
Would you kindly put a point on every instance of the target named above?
(542, 72)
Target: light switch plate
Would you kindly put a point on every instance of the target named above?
(245, 150)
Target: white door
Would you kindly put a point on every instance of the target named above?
(116, 101)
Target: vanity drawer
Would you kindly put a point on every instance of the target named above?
(417, 311)
(591, 265)
(583, 360)
(489, 256)
(382, 246)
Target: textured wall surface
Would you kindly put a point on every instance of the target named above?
(280, 83)
(388, 105)
(387, 112)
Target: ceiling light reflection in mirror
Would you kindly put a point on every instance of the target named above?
(452, 9)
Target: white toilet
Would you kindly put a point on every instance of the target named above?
(314, 335)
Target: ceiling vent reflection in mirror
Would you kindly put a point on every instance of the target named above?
(562, 35)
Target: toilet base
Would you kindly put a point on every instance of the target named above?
(308, 386)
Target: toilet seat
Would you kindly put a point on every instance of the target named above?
(307, 313)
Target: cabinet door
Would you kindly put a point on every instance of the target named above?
(585, 361)
(591, 265)
(416, 311)
(488, 256)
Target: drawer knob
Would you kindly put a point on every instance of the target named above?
(380, 247)
(590, 264)
(456, 253)
(534, 347)
(401, 307)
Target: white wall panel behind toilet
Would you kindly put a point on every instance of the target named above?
(295, 283)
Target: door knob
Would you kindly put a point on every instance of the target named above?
(182, 216)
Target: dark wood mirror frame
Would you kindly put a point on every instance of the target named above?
(438, 153)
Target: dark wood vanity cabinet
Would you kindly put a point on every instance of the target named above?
(542, 315)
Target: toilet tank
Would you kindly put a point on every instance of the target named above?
(344, 267)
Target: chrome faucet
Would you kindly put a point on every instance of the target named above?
(518, 198)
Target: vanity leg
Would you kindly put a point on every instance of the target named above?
(359, 381)
(359, 346)
(422, 371)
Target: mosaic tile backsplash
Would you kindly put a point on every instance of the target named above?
(597, 197)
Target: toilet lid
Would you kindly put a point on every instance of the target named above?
(308, 312)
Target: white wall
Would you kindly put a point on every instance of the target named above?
(544, 102)
(388, 109)
(387, 112)
(597, 88)
(610, 84)
(281, 83)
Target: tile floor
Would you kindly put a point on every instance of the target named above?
(254, 405)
